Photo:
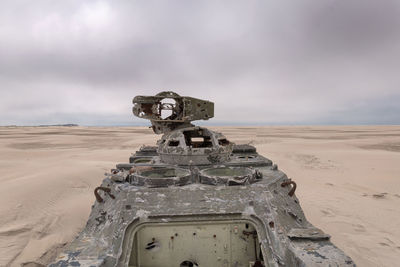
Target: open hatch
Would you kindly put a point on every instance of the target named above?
(211, 243)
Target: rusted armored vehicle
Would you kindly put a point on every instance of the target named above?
(197, 199)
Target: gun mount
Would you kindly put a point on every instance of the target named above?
(168, 111)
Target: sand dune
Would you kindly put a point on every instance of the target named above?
(348, 183)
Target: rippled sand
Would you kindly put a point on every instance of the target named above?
(348, 183)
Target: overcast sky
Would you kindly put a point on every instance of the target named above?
(261, 62)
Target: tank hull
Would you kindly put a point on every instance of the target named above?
(198, 215)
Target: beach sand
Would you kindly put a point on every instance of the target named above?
(348, 183)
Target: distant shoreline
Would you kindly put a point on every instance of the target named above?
(45, 125)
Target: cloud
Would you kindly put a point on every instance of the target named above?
(261, 62)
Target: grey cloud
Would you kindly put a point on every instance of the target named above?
(260, 61)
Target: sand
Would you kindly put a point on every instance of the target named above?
(348, 182)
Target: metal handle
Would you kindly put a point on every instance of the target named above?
(290, 182)
(106, 190)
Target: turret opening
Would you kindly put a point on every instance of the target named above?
(166, 108)
(197, 138)
(223, 142)
(173, 143)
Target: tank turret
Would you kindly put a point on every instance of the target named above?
(182, 142)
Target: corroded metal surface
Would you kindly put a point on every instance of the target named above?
(182, 110)
(177, 148)
(176, 184)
